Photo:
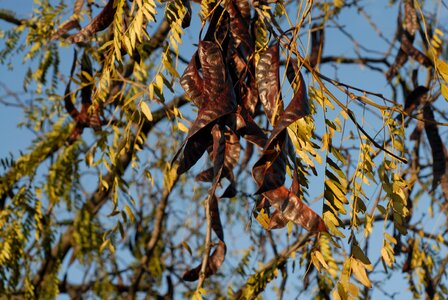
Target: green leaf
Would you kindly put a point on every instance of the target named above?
(359, 255)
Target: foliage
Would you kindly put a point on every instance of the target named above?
(307, 176)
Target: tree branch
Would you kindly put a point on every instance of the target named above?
(256, 283)
(100, 196)
(160, 215)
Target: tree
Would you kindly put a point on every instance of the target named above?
(160, 126)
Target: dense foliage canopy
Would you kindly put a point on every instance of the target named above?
(225, 149)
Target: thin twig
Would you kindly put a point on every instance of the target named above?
(208, 245)
(160, 215)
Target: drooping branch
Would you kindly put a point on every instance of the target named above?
(159, 218)
(101, 195)
(26, 165)
(257, 282)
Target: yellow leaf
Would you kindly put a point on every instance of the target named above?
(437, 31)
(182, 127)
(386, 257)
(344, 115)
(325, 141)
(341, 292)
(390, 238)
(442, 68)
(321, 259)
(169, 177)
(105, 184)
(129, 213)
(331, 222)
(336, 191)
(196, 296)
(151, 91)
(89, 159)
(338, 124)
(444, 91)
(353, 290)
(336, 295)
(338, 3)
(360, 273)
(159, 82)
(202, 291)
(263, 219)
(315, 261)
(167, 64)
(104, 245)
(146, 111)
(290, 226)
(187, 247)
(128, 44)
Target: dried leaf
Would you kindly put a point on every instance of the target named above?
(192, 82)
(69, 106)
(278, 220)
(99, 23)
(77, 7)
(415, 98)
(437, 147)
(220, 102)
(294, 210)
(214, 262)
(66, 27)
(269, 171)
(218, 28)
(230, 191)
(410, 17)
(250, 96)
(195, 147)
(187, 17)
(297, 108)
(86, 80)
(267, 76)
(239, 26)
(205, 176)
(407, 36)
(213, 69)
(252, 132)
(89, 114)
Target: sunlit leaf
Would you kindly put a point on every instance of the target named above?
(146, 111)
(267, 76)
